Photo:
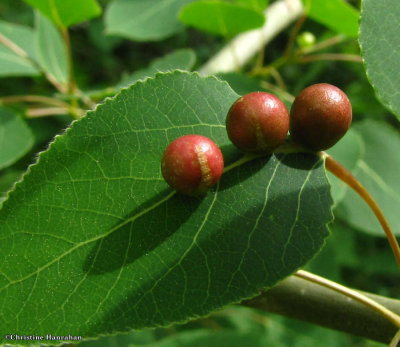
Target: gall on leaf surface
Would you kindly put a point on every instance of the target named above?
(93, 241)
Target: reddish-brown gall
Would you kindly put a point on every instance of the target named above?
(192, 164)
(257, 122)
(320, 116)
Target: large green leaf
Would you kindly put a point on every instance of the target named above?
(50, 49)
(258, 5)
(337, 15)
(95, 242)
(139, 20)
(221, 18)
(182, 59)
(15, 137)
(378, 171)
(21, 38)
(65, 13)
(380, 49)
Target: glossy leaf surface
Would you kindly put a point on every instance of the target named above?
(95, 242)
(66, 13)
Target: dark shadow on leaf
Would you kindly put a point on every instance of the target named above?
(128, 243)
(132, 241)
(300, 161)
(240, 174)
(244, 246)
(231, 154)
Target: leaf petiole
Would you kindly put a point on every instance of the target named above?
(346, 176)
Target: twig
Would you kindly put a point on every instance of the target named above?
(283, 93)
(378, 308)
(298, 298)
(330, 56)
(293, 35)
(67, 43)
(72, 86)
(278, 78)
(51, 111)
(298, 56)
(323, 44)
(33, 98)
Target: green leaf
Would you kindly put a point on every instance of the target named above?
(15, 137)
(66, 13)
(96, 236)
(182, 59)
(380, 42)
(21, 38)
(348, 151)
(221, 18)
(258, 5)
(336, 15)
(50, 49)
(378, 171)
(139, 20)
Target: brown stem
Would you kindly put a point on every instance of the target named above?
(72, 87)
(277, 90)
(51, 111)
(330, 56)
(278, 79)
(47, 111)
(33, 98)
(323, 44)
(71, 78)
(346, 176)
(293, 35)
(290, 56)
